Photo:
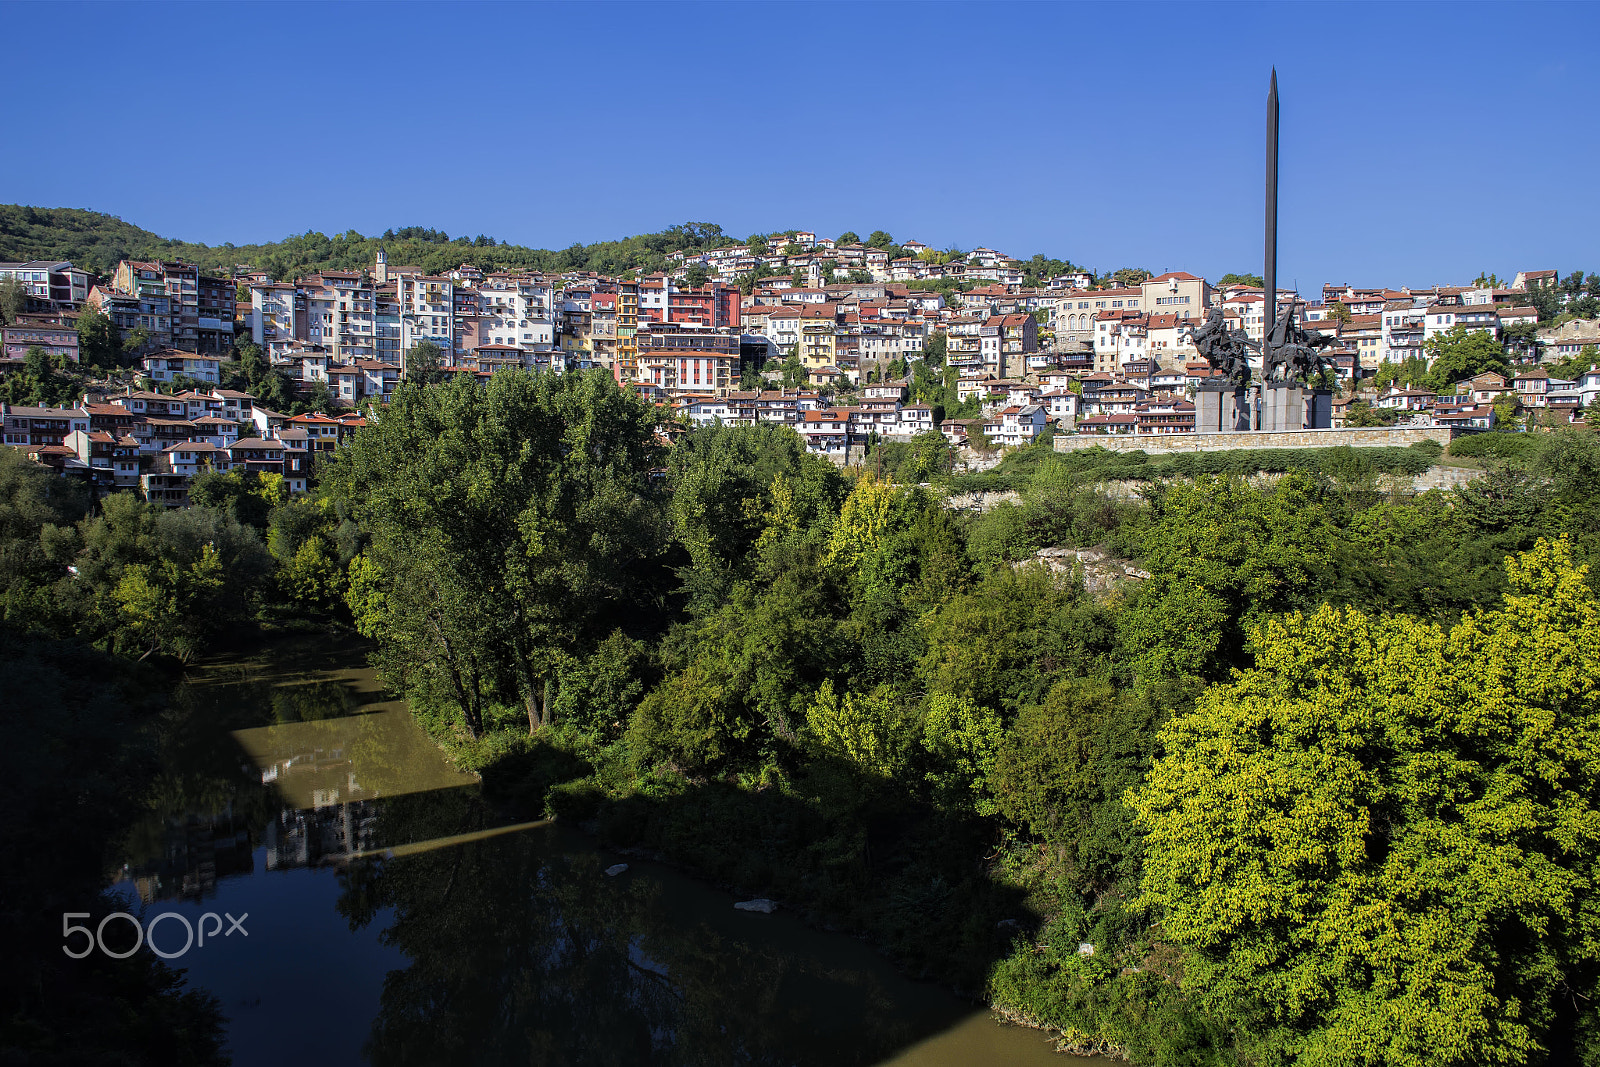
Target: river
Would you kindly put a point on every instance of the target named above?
(385, 912)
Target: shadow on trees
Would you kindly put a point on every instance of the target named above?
(522, 949)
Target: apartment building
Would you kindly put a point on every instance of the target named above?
(169, 364)
(1442, 318)
(278, 313)
(517, 310)
(818, 336)
(52, 285)
(426, 306)
(1176, 293)
(28, 425)
(341, 314)
(1080, 313)
(59, 341)
(1402, 331)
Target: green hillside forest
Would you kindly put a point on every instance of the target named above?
(96, 241)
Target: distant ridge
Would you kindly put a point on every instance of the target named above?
(96, 241)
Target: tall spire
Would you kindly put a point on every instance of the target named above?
(1269, 273)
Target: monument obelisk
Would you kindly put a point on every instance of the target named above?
(1282, 401)
(1269, 272)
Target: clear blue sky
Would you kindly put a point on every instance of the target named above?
(1421, 144)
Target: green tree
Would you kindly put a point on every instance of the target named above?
(316, 397)
(1062, 769)
(1242, 279)
(1375, 844)
(962, 742)
(528, 492)
(1339, 312)
(880, 239)
(696, 275)
(99, 344)
(1128, 277)
(13, 300)
(1458, 354)
(860, 277)
(1222, 555)
(1546, 301)
(1361, 414)
(757, 244)
(849, 237)
(794, 373)
(870, 731)
(424, 362)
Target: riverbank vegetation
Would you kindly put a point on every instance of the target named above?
(1320, 788)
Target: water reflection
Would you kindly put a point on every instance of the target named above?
(322, 763)
(521, 949)
(401, 917)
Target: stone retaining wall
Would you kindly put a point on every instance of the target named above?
(1373, 437)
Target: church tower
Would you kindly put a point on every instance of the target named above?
(381, 272)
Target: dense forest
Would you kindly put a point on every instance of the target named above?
(96, 242)
(1316, 784)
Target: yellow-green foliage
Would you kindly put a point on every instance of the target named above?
(1378, 842)
(864, 728)
(872, 510)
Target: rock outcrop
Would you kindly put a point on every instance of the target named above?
(1101, 572)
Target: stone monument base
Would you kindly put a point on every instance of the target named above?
(1221, 408)
(1319, 410)
(1283, 407)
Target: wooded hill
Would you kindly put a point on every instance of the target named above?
(96, 241)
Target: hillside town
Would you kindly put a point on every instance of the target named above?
(845, 342)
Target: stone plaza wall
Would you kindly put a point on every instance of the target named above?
(1372, 437)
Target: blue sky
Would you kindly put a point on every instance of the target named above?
(1421, 144)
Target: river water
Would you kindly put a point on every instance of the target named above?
(387, 914)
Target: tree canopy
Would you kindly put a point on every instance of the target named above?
(1378, 841)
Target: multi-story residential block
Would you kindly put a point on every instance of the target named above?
(341, 315)
(200, 308)
(28, 425)
(1441, 318)
(1402, 330)
(52, 285)
(386, 324)
(1364, 335)
(1176, 293)
(158, 313)
(112, 459)
(278, 312)
(1080, 319)
(683, 360)
(826, 431)
(518, 310)
(427, 312)
(59, 341)
(166, 366)
(627, 346)
(1016, 425)
(818, 331)
(257, 455)
(603, 331)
